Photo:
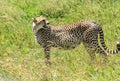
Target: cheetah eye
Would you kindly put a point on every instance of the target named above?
(46, 22)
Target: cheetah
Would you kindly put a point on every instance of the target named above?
(70, 36)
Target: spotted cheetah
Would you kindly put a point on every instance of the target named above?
(70, 36)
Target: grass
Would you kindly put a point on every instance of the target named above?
(22, 59)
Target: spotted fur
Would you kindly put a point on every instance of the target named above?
(70, 36)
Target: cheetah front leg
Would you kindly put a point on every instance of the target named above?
(47, 54)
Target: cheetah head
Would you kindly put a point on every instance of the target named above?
(39, 23)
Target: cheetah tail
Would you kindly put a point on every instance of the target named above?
(118, 46)
(104, 45)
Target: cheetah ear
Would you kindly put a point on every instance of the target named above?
(34, 20)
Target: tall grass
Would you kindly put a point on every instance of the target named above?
(22, 59)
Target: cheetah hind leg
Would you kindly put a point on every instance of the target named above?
(91, 41)
(91, 52)
(103, 53)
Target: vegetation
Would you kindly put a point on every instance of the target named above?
(22, 59)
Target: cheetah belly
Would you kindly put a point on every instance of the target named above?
(69, 44)
(68, 41)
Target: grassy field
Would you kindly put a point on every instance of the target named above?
(22, 59)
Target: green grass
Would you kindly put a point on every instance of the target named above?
(22, 59)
